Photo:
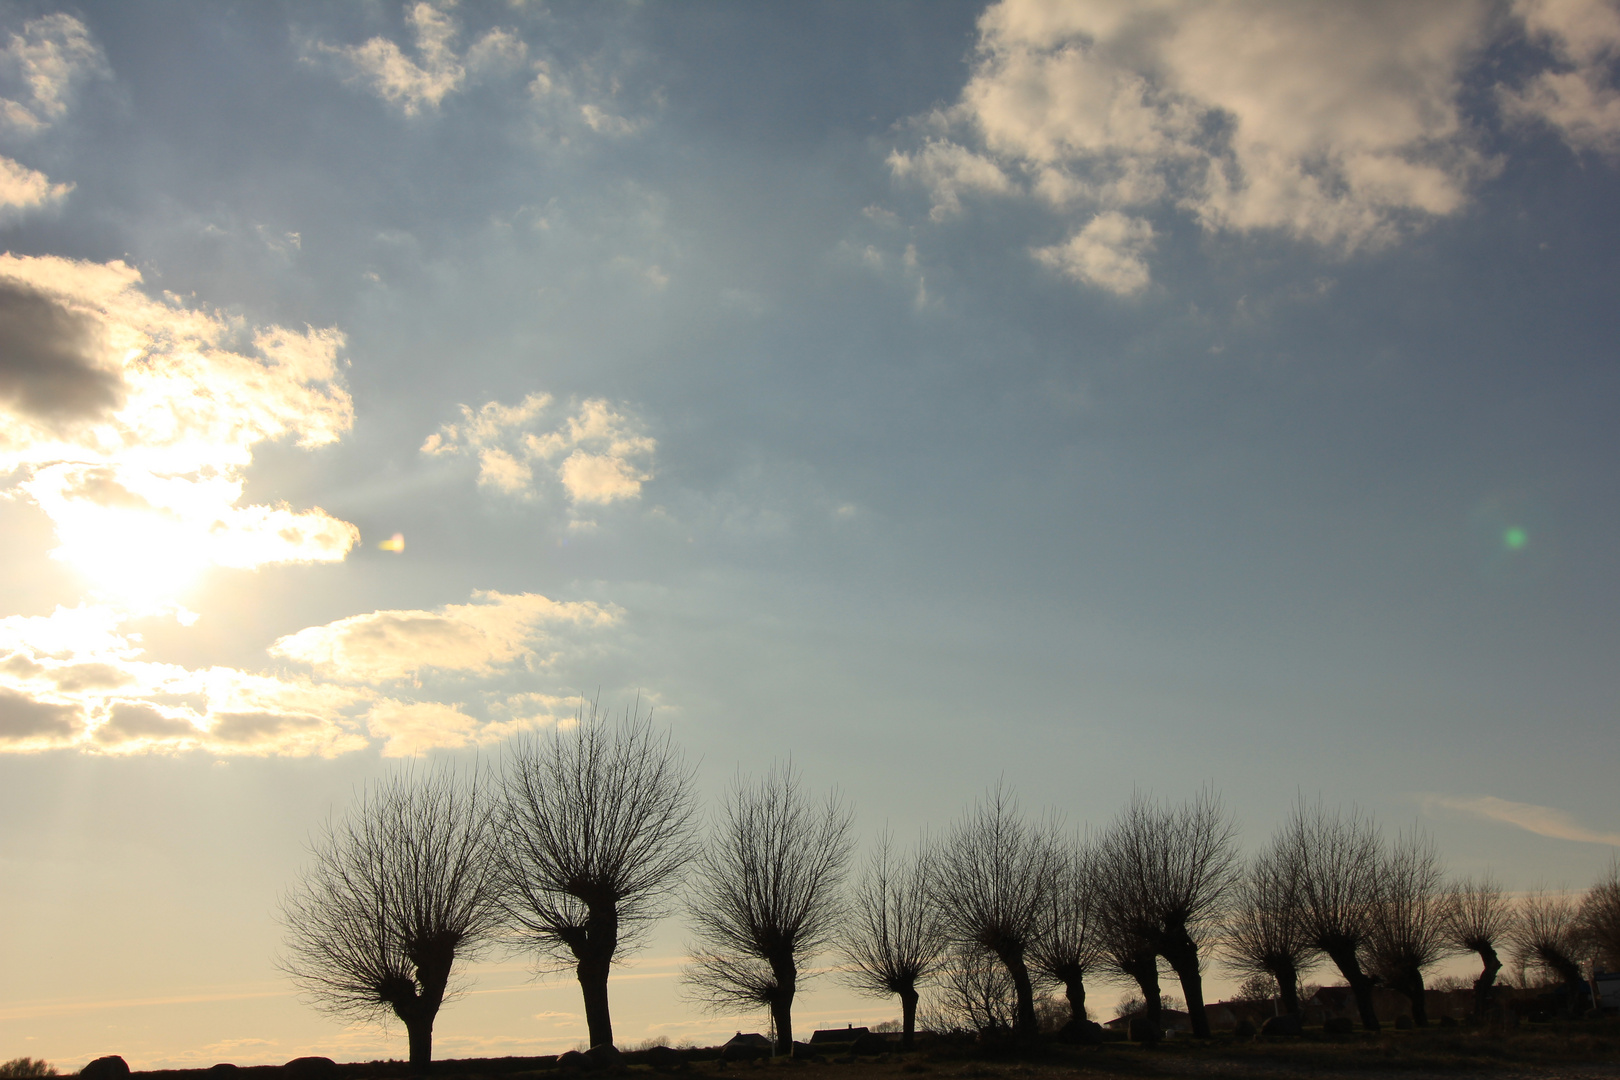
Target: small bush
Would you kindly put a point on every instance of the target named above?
(23, 1066)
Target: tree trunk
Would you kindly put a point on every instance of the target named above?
(1074, 988)
(908, 1017)
(782, 1020)
(1344, 958)
(420, 1034)
(1287, 977)
(1411, 985)
(1025, 1025)
(1146, 973)
(1486, 983)
(593, 983)
(786, 973)
(1182, 956)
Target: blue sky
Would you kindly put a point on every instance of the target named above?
(1105, 397)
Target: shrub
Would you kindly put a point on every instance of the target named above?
(23, 1066)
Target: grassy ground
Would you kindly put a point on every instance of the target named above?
(1581, 1050)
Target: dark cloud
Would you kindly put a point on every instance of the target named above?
(251, 727)
(89, 677)
(134, 721)
(23, 718)
(46, 366)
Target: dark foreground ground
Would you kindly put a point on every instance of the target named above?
(1578, 1049)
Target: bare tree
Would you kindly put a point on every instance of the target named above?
(1170, 871)
(766, 895)
(1265, 935)
(1600, 916)
(1479, 917)
(398, 891)
(993, 874)
(975, 993)
(1068, 943)
(1333, 860)
(1132, 953)
(1409, 919)
(893, 940)
(1547, 937)
(596, 831)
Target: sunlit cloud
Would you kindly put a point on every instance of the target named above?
(23, 189)
(1579, 97)
(437, 69)
(1541, 820)
(1110, 253)
(39, 68)
(595, 452)
(477, 638)
(132, 421)
(1339, 127)
(75, 679)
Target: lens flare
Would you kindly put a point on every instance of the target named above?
(395, 543)
(1515, 538)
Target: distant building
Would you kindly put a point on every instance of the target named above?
(838, 1035)
(753, 1040)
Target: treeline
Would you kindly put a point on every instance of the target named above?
(588, 835)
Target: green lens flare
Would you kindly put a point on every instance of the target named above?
(1515, 538)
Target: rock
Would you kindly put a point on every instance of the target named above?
(223, 1069)
(1081, 1032)
(605, 1057)
(111, 1067)
(743, 1052)
(310, 1068)
(1338, 1025)
(870, 1044)
(576, 1061)
(1282, 1025)
(1144, 1032)
(663, 1058)
(1403, 1023)
(1245, 1029)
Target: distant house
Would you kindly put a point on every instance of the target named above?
(838, 1035)
(1330, 1002)
(1173, 1020)
(753, 1040)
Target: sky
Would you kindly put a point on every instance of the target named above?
(1096, 397)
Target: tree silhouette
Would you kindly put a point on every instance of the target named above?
(1168, 871)
(1409, 919)
(1068, 944)
(398, 891)
(1332, 860)
(1264, 933)
(765, 896)
(893, 939)
(994, 871)
(596, 830)
(1479, 917)
(1547, 937)
(1600, 916)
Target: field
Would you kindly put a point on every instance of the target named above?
(1538, 1052)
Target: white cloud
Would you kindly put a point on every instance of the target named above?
(596, 453)
(132, 422)
(39, 67)
(1541, 820)
(437, 70)
(1110, 253)
(477, 638)
(22, 188)
(1580, 98)
(1337, 125)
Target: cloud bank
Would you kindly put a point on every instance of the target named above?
(1340, 126)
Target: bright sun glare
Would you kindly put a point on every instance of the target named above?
(145, 558)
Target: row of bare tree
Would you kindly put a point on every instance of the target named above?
(586, 836)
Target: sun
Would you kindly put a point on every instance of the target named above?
(143, 557)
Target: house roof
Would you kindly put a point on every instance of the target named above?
(838, 1035)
